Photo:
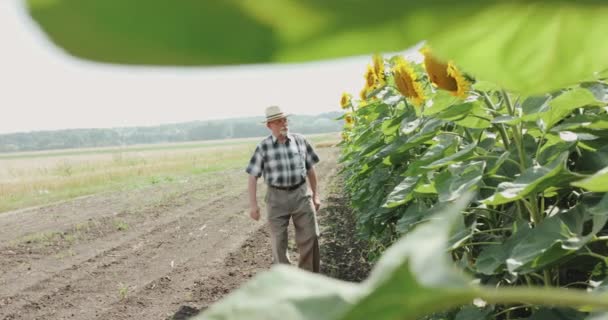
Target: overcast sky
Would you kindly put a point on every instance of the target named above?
(41, 88)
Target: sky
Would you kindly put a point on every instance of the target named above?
(42, 88)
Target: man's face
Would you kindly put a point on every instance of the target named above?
(279, 127)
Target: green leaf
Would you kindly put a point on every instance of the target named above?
(533, 180)
(443, 143)
(560, 107)
(490, 39)
(598, 316)
(586, 122)
(287, 293)
(498, 163)
(413, 215)
(459, 179)
(563, 105)
(535, 104)
(458, 156)
(391, 125)
(398, 148)
(414, 276)
(472, 313)
(495, 255)
(553, 148)
(597, 182)
(527, 61)
(402, 193)
(442, 100)
(529, 250)
(456, 112)
(478, 118)
(599, 90)
(410, 124)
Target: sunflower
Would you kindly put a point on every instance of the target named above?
(345, 136)
(445, 76)
(463, 84)
(363, 93)
(379, 69)
(348, 120)
(370, 77)
(407, 81)
(345, 100)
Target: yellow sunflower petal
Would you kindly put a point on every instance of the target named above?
(407, 82)
(348, 119)
(345, 100)
(370, 77)
(463, 85)
(379, 69)
(438, 72)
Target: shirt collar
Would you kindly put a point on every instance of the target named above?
(275, 140)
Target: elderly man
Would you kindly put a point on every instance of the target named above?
(286, 160)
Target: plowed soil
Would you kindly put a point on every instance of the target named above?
(162, 252)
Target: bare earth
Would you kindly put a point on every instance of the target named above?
(163, 252)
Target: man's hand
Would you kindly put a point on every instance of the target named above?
(316, 202)
(254, 213)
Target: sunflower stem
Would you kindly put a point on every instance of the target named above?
(546, 296)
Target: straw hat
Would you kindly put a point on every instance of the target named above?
(274, 113)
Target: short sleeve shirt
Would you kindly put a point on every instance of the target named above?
(282, 164)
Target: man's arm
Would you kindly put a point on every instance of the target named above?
(312, 179)
(252, 186)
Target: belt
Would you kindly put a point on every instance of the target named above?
(290, 188)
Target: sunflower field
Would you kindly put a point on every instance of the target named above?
(424, 134)
(480, 203)
(478, 169)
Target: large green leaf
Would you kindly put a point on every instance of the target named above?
(535, 179)
(527, 46)
(598, 182)
(463, 154)
(528, 250)
(403, 192)
(287, 293)
(459, 179)
(549, 113)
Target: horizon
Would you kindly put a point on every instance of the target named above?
(157, 125)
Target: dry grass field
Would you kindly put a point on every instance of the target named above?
(38, 178)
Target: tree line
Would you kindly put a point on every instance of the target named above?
(177, 132)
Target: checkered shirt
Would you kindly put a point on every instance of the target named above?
(283, 165)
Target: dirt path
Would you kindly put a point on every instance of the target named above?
(162, 252)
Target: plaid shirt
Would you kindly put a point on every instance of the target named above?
(283, 165)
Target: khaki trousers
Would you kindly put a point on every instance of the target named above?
(297, 205)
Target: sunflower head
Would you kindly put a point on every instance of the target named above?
(462, 84)
(348, 120)
(370, 77)
(445, 75)
(363, 93)
(378, 67)
(345, 100)
(407, 81)
(345, 136)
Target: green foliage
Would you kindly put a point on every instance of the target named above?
(525, 46)
(536, 168)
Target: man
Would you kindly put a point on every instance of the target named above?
(286, 161)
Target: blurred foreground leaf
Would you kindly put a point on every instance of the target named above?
(525, 46)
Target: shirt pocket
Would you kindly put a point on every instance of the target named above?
(298, 160)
